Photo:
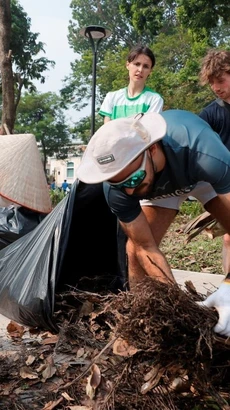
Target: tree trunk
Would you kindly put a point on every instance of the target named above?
(8, 108)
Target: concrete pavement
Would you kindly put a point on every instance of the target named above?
(204, 283)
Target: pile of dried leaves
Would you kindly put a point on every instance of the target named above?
(152, 349)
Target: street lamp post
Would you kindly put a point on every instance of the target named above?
(95, 34)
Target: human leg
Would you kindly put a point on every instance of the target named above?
(208, 197)
(213, 207)
(159, 220)
(226, 253)
(160, 213)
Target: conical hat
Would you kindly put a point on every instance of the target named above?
(22, 177)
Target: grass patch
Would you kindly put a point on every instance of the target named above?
(202, 254)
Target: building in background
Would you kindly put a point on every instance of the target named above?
(59, 169)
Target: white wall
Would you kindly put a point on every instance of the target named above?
(58, 169)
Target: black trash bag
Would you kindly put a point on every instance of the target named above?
(16, 222)
(79, 238)
(94, 258)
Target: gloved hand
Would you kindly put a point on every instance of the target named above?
(220, 300)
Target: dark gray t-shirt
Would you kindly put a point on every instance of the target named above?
(194, 152)
(218, 116)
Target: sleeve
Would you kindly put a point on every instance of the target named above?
(212, 164)
(125, 207)
(156, 104)
(106, 107)
(210, 115)
(203, 114)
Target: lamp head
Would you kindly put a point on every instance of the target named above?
(95, 32)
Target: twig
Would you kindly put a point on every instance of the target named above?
(162, 271)
(88, 367)
(118, 379)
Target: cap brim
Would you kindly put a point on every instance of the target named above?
(89, 172)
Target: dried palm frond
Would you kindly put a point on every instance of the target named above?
(205, 223)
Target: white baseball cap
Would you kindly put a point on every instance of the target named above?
(117, 143)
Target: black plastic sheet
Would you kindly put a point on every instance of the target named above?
(77, 241)
(16, 222)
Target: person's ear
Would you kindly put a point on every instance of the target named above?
(127, 65)
(153, 149)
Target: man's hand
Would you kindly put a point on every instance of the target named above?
(220, 300)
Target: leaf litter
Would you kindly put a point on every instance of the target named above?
(149, 349)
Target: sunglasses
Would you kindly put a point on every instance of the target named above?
(135, 179)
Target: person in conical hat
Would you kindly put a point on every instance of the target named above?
(160, 157)
(22, 177)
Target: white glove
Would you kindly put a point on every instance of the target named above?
(220, 300)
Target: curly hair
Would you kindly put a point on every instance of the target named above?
(214, 64)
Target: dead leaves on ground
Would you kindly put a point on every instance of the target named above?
(151, 349)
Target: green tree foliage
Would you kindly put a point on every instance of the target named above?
(203, 14)
(103, 13)
(22, 51)
(149, 16)
(41, 115)
(82, 129)
(175, 76)
(155, 16)
(26, 47)
(179, 33)
(113, 74)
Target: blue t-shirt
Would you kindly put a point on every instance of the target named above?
(64, 185)
(194, 153)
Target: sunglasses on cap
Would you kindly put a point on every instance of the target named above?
(135, 179)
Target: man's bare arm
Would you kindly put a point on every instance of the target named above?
(219, 207)
(150, 258)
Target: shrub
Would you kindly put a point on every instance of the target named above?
(56, 195)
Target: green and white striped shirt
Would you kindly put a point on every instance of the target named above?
(117, 104)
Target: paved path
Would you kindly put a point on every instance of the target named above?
(204, 283)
